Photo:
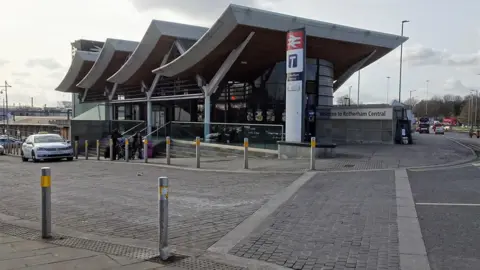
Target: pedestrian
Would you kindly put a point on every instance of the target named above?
(137, 145)
(115, 136)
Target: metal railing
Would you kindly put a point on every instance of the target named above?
(259, 135)
(134, 127)
(157, 130)
(140, 131)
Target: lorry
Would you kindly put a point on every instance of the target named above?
(424, 125)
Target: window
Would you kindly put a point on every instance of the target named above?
(48, 139)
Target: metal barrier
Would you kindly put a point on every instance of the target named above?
(167, 149)
(313, 145)
(245, 153)
(197, 151)
(98, 149)
(163, 218)
(76, 149)
(46, 183)
(110, 144)
(86, 149)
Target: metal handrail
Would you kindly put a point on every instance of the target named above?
(132, 128)
(233, 124)
(146, 136)
(137, 132)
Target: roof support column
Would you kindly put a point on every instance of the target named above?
(212, 86)
(149, 94)
(85, 92)
(323, 122)
(352, 69)
(110, 94)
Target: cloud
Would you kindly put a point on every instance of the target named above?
(208, 9)
(48, 63)
(423, 56)
(3, 62)
(21, 83)
(56, 75)
(21, 74)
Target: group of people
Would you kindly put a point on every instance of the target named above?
(135, 146)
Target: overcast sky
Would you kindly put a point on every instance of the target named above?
(444, 45)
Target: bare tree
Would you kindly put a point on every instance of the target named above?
(344, 100)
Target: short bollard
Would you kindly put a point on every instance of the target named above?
(163, 218)
(127, 151)
(145, 150)
(197, 151)
(98, 149)
(76, 149)
(245, 153)
(313, 145)
(110, 144)
(167, 149)
(86, 149)
(46, 183)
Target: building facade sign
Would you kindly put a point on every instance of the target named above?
(360, 113)
(295, 85)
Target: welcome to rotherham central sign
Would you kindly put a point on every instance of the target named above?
(360, 113)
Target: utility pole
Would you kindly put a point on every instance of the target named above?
(6, 86)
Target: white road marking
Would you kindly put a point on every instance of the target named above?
(450, 204)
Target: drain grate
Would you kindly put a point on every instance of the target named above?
(196, 263)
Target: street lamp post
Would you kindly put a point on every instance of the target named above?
(411, 91)
(401, 63)
(349, 92)
(426, 98)
(388, 87)
(358, 89)
(6, 86)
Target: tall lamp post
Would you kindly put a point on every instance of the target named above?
(401, 63)
(6, 86)
(358, 89)
(426, 97)
(411, 91)
(388, 87)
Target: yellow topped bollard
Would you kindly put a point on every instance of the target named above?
(46, 183)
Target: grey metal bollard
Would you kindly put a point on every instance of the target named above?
(86, 149)
(197, 151)
(145, 150)
(313, 145)
(76, 149)
(46, 183)
(127, 151)
(98, 149)
(163, 218)
(167, 149)
(245, 153)
(110, 143)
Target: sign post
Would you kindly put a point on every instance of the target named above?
(295, 85)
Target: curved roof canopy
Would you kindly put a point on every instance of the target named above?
(112, 56)
(82, 62)
(149, 53)
(341, 45)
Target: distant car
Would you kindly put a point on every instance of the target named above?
(439, 130)
(2, 150)
(46, 146)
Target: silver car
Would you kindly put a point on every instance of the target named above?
(46, 146)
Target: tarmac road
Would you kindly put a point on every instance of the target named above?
(447, 201)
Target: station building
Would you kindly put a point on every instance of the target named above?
(231, 74)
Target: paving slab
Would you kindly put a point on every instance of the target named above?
(121, 200)
(336, 220)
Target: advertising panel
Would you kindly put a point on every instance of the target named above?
(295, 84)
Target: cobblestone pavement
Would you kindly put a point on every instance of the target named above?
(120, 200)
(335, 221)
(429, 149)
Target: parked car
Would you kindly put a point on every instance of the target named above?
(439, 130)
(46, 146)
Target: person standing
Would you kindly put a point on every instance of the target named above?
(115, 136)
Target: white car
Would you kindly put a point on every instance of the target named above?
(2, 150)
(46, 146)
(440, 130)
